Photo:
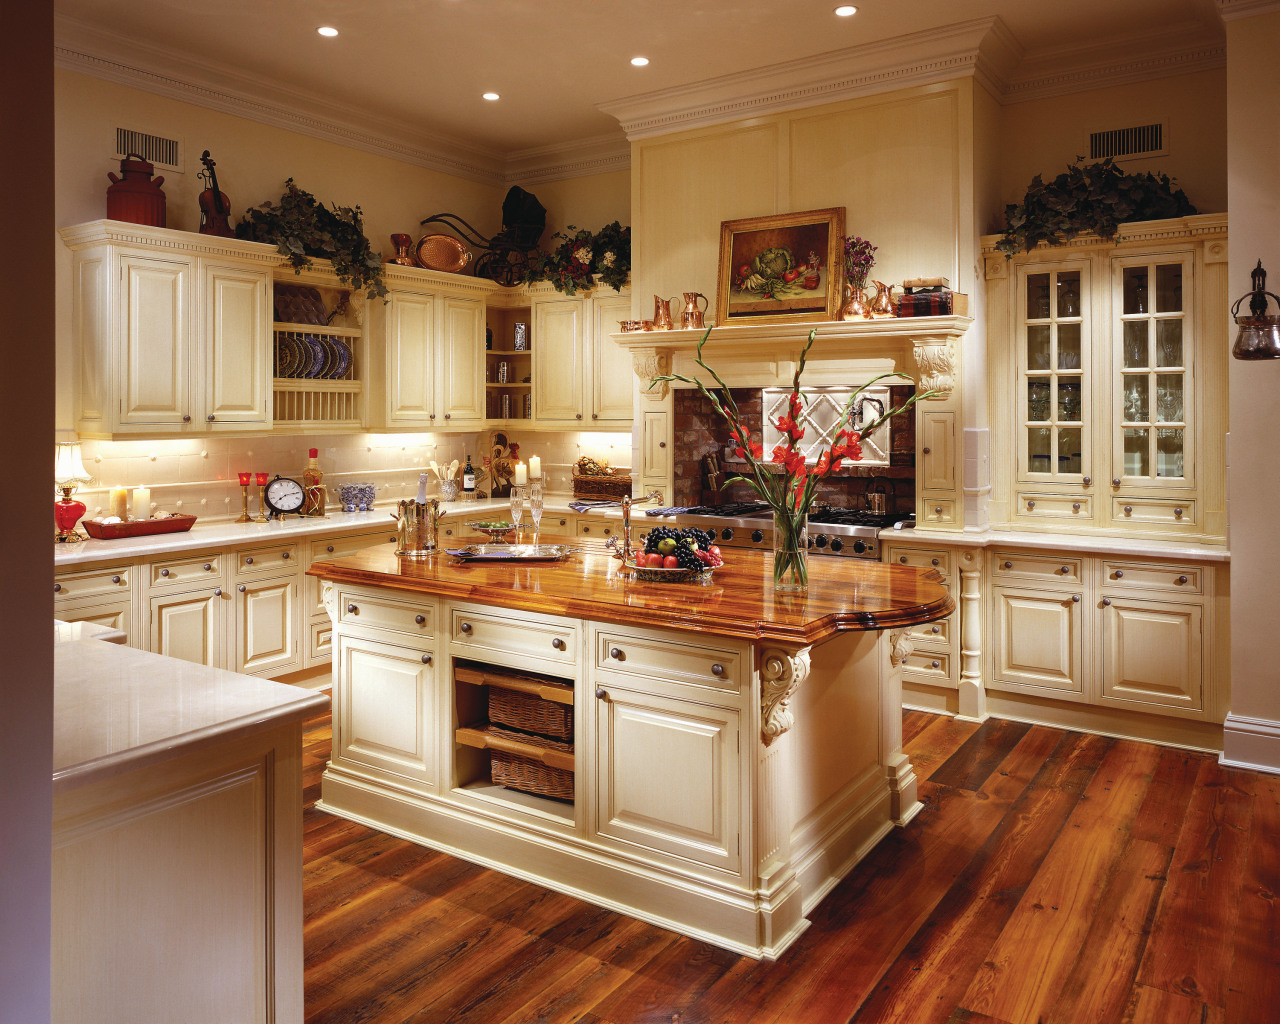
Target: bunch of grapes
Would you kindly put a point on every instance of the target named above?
(688, 546)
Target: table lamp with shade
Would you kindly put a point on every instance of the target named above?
(68, 471)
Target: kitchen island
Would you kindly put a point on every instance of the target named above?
(728, 757)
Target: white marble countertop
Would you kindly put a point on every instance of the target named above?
(118, 708)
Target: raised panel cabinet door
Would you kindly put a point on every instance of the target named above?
(937, 451)
(237, 337)
(410, 360)
(612, 381)
(668, 776)
(267, 625)
(1038, 645)
(154, 335)
(462, 361)
(190, 626)
(557, 361)
(655, 449)
(386, 702)
(1152, 655)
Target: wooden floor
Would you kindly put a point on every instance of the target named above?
(1051, 877)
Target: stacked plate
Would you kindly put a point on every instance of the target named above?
(311, 356)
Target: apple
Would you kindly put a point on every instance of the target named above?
(653, 561)
(715, 550)
(670, 562)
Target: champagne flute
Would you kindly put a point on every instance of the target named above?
(535, 509)
(517, 509)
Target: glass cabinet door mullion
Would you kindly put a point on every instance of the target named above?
(1051, 360)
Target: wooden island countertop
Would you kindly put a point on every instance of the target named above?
(737, 603)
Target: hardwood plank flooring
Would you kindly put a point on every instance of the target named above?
(1052, 877)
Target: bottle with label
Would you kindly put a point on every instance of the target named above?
(468, 478)
(313, 486)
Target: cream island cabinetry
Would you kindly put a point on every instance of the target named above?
(701, 756)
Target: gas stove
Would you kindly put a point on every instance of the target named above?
(832, 531)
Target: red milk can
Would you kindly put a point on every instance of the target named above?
(136, 198)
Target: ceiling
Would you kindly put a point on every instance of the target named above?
(424, 64)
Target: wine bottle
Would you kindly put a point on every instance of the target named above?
(422, 488)
(313, 486)
(468, 477)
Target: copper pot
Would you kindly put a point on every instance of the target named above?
(136, 197)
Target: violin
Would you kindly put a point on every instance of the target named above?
(214, 205)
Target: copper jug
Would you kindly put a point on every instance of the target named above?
(661, 313)
(691, 318)
(882, 301)
(136, 198)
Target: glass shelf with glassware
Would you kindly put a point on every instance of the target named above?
(1052, 357)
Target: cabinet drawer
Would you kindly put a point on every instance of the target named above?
(937, 510)
(185, 570)
(715, 672)
(928, 666)
(484, 635)
(1039, 567)
(1175, 579)
(939, 632)
(557, 526)
(922, 558)
(326, 548)
(1162, 511)
(319, 642)
(110, 582)
(601, 528)
(259, 561)
(1054, 506)
(371, 610)
(116, 615)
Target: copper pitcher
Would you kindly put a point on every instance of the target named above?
(882, 301)
(691, 318)
(661, 313)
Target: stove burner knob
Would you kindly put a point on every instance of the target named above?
(836, 544)
(820, 540)
(859, 547)
(726, 534)
(757, 535)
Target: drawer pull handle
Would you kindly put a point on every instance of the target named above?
(426, 659)
(717, 669)
(248, 561)
(1119, 574)
(352, 610)
(465, 627)
(615, 653)
(391, 540)
(186, 419)
(115, 579)
(662, 444)
(586, 529)
(329, 549)
(935, 664)
(1008, 565)
(902, 559)
(209, 417)
(241, 588)
(926, 451)
(1065, 570)
(1031, 504)
(937, 561)
(1177, 513)
(1075, 598)
(1128, 510)
(284, 554)
(208, 567)
(218, 592)
(579, 415)
(1115, 481)
(448, 415)
(1106, 601)
(601, 693)
(1180, 580)
(164, 572)
(564, 522)
(1087, 481)
(937, 510)
(558, 644)
(607, 531)
(1075, 506)
(936, 629)
(419, 619)
(57, 587)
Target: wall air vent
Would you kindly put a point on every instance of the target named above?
(166, 153)
(1128, 143)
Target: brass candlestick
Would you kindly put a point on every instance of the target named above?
(244, 498)
(261, 480)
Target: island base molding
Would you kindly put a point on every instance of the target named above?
(1251, 743)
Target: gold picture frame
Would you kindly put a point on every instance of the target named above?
(767, 271)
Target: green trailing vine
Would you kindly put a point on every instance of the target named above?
(1096, 198)
(582, 257)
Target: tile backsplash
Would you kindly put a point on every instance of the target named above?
(197, 476)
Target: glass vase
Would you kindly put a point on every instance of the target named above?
(790, 554)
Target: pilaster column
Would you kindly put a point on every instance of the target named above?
(904, 803)
(973, 695)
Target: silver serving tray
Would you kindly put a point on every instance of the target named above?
(512, 552)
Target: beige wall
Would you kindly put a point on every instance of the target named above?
(1044, 136)
(1253, 160)
(588, 202)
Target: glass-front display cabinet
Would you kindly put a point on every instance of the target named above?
(1108, 381)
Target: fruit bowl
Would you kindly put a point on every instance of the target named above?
(495, 530)
(656, 575)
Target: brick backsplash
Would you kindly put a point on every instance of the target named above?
(198, 476)
(700, 430)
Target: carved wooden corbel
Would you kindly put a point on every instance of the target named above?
(936, 361)
(650, 363)
(329, 598)
(780, 673)
(900, 648)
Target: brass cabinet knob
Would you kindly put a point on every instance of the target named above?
(419, 619)
(717, 669)
(465, 627)
(426, 659)
(601, 693)
(1180, 580)
(558, 644)
(241, 588)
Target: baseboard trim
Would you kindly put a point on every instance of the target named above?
(1252, 743)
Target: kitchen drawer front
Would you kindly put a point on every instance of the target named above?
(937, 510)
(934, 632)
(188, 569)
(922, 558)
(514, 640)
(557, 526)
(1037, 567)
(116, 615)
(1174, 579)
(927, 665)
(1054, 506)
(113, 581)
(600, 528)
(690, 671)
(261, 561)
(325, 548)
(373, 609)
(1157, 511)
(319, 643)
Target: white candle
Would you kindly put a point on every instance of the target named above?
(535, 467)
(141, 502)
(522, 475)
(119, 503)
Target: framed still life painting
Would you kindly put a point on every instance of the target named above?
(788, 266)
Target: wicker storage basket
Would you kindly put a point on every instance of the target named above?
(612, 487)
(529, 776)
(530, 713)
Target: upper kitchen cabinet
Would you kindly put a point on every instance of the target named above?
(171, 331)
(581, 379)
(435, 350)
(1117, 355)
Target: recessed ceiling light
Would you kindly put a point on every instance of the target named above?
(846, 10)
(639, 61)
(491, 96)
(327, 30)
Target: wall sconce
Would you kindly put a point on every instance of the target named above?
(68, 470)
(1259, 334)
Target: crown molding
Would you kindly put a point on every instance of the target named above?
(601, 154)
(1143, 232)
(1230, 10)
